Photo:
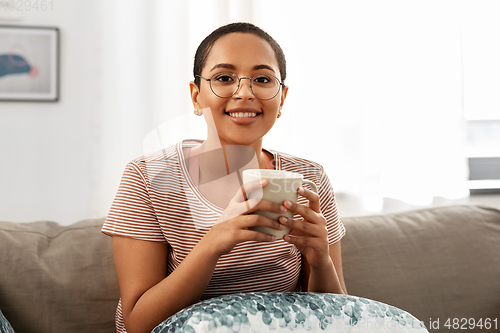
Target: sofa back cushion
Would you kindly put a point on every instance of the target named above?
(436, 263)
(57, 278)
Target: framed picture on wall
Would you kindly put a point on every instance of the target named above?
(29, 63)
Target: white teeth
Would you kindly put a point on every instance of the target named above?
(243, 114)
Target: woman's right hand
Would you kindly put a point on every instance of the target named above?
(233, 225)
(141, 266)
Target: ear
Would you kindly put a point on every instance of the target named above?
(195, 92)
(283, 96)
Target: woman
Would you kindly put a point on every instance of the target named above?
(181, 220)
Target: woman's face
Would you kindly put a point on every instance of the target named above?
(245, 55)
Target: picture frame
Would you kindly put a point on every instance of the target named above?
(29, 63)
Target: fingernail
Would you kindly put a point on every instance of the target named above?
(283, 209)
(282, 219)
(286, 238)
(300, 190)
(273, 238)
(288, 203)
(262, 181)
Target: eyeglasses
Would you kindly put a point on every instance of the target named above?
(226, 84)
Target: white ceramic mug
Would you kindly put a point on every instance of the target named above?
(281, 186)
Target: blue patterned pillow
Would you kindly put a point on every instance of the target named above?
(290, 312)
(5, 325)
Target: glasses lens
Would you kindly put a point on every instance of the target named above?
(265, 86)
(224, 84)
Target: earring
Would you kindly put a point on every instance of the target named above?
(279, 114)
(198, 112)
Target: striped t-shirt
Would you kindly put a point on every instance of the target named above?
(158, 201)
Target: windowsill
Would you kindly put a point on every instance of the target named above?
(484, 184)
(349, 205)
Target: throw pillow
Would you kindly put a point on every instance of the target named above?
(290, 312)
(5, 325)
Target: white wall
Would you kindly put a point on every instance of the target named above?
(48, 150)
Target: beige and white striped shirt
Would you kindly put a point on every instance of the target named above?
(158, 201)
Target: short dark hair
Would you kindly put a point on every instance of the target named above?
(206, 45)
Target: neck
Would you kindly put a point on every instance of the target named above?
(219, 155)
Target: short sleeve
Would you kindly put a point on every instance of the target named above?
(132, 214)
(328, 206)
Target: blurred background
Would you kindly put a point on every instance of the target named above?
(398, 100)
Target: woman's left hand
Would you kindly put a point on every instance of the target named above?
(310, 234)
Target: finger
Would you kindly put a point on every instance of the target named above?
(250, 206)
(299, 240)
(256, 204)
(256, 236)
(256, 220)
(313, 198)
(296, 232)
(247, 188)
(303, 241)
(306, 212)
(243, 222)
(302, 226)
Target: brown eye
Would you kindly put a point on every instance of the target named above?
(262, 79)
(224, 78)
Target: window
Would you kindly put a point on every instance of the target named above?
(481, 87)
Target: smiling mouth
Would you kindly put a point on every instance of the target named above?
(242, 114)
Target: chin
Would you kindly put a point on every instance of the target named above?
(242, 141)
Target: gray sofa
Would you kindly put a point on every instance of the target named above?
(437, 263)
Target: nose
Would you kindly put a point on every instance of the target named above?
(244, 90)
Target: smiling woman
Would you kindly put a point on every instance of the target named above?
(182, 223)
(227, 94)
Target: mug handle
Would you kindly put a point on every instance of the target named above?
(313, 186)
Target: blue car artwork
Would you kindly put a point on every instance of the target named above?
(16, 64)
